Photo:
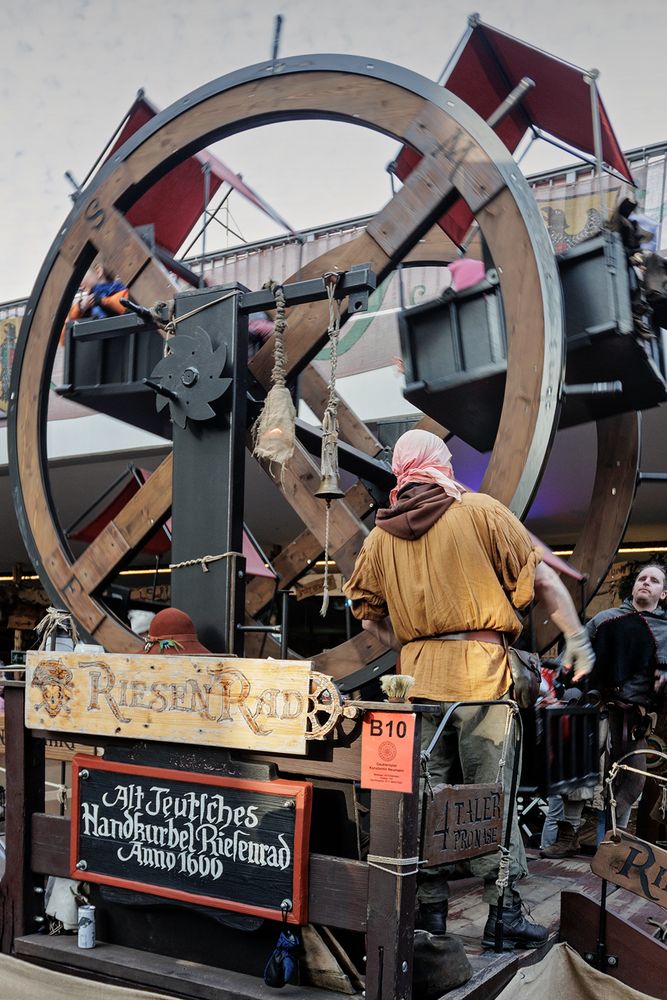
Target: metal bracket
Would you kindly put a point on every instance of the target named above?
(601, 962)
(355, 284)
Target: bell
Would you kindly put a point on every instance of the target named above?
(329, 488)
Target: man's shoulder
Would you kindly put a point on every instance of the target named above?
(626, 608)
(481, 502)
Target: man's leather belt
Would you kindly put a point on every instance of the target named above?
(480, 635)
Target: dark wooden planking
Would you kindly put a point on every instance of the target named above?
(20, 903)
(349, 656)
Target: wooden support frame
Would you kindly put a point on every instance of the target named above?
(354, 895)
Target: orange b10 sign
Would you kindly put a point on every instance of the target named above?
(387, 742)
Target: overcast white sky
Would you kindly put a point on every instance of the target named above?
(71, 68)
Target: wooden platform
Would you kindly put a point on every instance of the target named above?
(542, 894)
(155, 972)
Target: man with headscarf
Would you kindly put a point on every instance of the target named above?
(439, 578)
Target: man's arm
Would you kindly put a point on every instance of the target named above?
(383, 632)
(578, 653)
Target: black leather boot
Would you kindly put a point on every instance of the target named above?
(518, 932)
(432, 917)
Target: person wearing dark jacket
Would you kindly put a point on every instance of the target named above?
(630, 644)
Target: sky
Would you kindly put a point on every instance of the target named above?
(70, 69)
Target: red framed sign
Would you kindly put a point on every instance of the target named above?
(204, 838)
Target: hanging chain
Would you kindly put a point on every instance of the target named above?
(330, 418)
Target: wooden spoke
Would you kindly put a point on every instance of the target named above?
(295, 558)
(619, 447)
(314, 391)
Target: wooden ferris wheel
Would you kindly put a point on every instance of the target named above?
(461, 157)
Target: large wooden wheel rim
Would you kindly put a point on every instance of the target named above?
(460, 155)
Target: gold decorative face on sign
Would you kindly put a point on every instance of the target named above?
(55, 683)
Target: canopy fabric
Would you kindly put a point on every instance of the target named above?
(176, 201)
(21, 980)
(488, 68)
(563, 973)
(159, 543)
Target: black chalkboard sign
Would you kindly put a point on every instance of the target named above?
(226, 842)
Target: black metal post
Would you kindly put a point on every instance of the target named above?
(208, 478)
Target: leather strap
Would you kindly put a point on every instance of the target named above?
(480, 635)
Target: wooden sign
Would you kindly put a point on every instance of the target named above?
(634, 865)
(387, 742)
(206, 700)
(224, 842)
(461, 821)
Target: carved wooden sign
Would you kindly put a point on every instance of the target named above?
(634, 865)
(204, 838)
(461, 821)
(206, 700)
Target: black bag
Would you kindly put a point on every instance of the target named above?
(526, 676)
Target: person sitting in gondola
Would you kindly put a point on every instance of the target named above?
(99, 296)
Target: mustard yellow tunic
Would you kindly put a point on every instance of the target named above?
(469, 571)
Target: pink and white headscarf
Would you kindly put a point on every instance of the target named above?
(421, 457)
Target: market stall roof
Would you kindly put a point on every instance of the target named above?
(159, 543)
(175, 203)
(489, 65)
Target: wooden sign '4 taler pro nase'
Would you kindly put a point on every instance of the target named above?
(204, 700)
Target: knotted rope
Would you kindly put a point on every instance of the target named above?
(503, 879)
(54, 619)
(204, 561)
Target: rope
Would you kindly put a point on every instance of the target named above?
(54, 619)
(61, 789)
(329, 461)
(509, 725)
(503, 879)
(278, 375)
(325, 584)
(613, 774)
(379, 861)
(170, 326)
(204, 561)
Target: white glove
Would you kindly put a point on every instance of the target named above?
(578, 654)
